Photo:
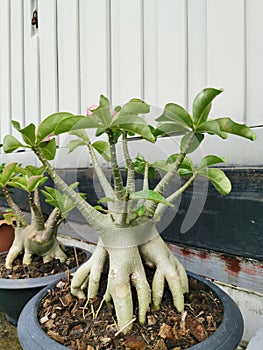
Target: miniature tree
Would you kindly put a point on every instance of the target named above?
(127, 229)
(39, 236)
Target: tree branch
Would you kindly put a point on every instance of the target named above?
(168, 177)
(130, 184)
(18, 212)
(106, 186)
(162, 207)
(117, 178)
(37, 217)
(93, 217)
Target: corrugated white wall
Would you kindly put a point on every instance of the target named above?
(159, 50)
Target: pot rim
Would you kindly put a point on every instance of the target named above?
(25, 283)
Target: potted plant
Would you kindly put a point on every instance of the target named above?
(127, 227)
(37, 237)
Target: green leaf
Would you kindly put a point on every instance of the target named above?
(176, 114)
(82, 134)
(103, 148)
(7, 173)
(161, 165)
(19, 182)
(49, 149)
(16, 124)
(218, 179)
(76, 122)
(73, 144)
(35, 182)
(105, 200)
(141, 210)
(190, 143)
(202, 105)
(32, 170)
(134, 107)
(10, 144)
(103, 112)
(211, 127)
(210, 160)
(29, 134)
(228, 125)
(186, 168)
(100, 208)
(167, 128)
(150, 195)
(133, 124)
(48, 125)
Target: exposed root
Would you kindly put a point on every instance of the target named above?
(88, 275)
(126, 268)
(24, 242)
(155, 252)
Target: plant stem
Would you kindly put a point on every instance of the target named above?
(117, 178)
(37, 217)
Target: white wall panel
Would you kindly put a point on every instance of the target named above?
(126, 50)
(254, 70)
(5, 68)
(172, 51)
(68, 55)
(17, 61)
(159, 50)
(31, 67)
(47, 10)
(225, 55)
(197, 48)
(94, 51)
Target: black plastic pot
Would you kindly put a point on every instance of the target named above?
(15, 293)
(226, 337)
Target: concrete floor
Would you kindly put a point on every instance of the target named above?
(8, 335)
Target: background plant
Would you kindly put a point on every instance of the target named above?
(39, 235)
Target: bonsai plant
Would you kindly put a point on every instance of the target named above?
(37, 237)
(127, 227)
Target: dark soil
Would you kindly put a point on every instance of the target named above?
(75, 257)
(72, 323)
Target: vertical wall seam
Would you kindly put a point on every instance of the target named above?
(186, 55)
(9, 65)
(245, 94)
(206, 44)
(108, 26)
(23, 65)
(39, 79)
(57, 55)
(142, 51)
(78, 57)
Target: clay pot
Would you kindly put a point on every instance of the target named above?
(7, 235)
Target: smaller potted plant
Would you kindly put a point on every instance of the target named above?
(36, 237)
